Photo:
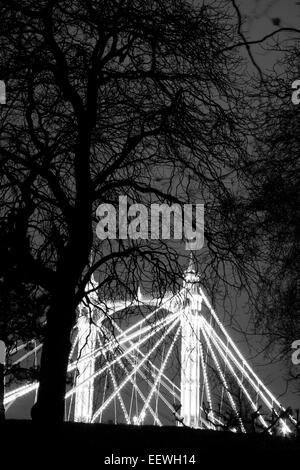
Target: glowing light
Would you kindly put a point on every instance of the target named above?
(284, 429)
(154, 331)
(19, 392)
(132, 362)
(232, 402)
(165, 377)
(240, 356)
(127, 353)
(134, 370)
(112, 375)
(117, 342)
(228, 364)
(157, 381)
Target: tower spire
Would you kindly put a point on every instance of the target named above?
(190, 347)
(191, 275)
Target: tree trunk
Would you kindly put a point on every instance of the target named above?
(61, 318)
(54, 361)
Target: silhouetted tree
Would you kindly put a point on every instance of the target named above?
(273, 180)
(22, 306)
(135, 98)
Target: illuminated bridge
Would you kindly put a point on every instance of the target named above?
(159, 361)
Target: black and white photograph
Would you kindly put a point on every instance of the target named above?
(149, 234)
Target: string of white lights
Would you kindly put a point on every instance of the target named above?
(263, 397)
(164, 377)
(206, 382)
(174, 322)
(133, 363)
(225, 371)
(136, 368)
(154, 388)
(242, 387)
(20, 347)
(163, 304)
(136, 388)
(145, 378)
(133, 391)
(167, 403)
(162, 324)
(122, 404)
(118, 341)
(235, 348)
(25, 356)
(269, 404)
(127, 418)
(142, 396)
(74, 344)
(223, 379)
(103, 396)
(19, 392)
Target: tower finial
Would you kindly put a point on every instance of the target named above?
(191, 273)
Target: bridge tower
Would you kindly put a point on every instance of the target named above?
(84, 396)
(190, 348)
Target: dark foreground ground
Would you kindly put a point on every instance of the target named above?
(75, 445)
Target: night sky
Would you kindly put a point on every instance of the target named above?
(263, 18)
